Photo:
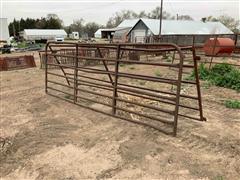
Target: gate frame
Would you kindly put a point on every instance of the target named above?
(160, 47)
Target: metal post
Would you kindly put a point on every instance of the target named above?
(214, 47)
(178, 94)
(46, 68)
(76, 75)
(114, 101)
(193, 42)
(195, 58)
(236, 39)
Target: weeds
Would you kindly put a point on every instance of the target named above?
(233, 104)
(131, 67)
(169, 59)
(68, 97)
(223, 75)
(207, 85)
(157, 73)
(142, 83)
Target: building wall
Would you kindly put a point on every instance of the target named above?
(187, 40)
(140, 26)
(120, 36)
(183, 40)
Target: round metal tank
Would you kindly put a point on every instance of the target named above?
(223, 46)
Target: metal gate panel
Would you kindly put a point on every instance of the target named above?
(111, 89)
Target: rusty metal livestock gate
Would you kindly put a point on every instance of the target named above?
(126, 82)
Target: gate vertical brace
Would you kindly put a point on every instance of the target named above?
(76, 75)
(60, 66)
(105, 65)
(179, 81)
(46, 68)
(195, 59)
(114, 101)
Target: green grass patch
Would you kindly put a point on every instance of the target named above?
(142, 83)
(169, 59)
(223, 75)
(131, 67)
(207, 85)
(122, 65)
(22, 44)
(157, 73)
(233, 104)
(68, 96)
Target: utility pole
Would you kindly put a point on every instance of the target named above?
(160, 27)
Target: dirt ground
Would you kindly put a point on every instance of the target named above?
(43, 137)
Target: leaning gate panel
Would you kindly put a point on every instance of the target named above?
(128, 81)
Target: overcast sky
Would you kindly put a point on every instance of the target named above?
(99, 11)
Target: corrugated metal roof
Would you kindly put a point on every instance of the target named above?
(186, 27)
(45, 32)
(99, 31)
(128, 23)
(113, 29)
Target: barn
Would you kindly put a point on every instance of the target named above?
(43, 34)
(4, 32)
(175, 30)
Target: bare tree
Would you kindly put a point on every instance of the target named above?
(128, 14)
(155, 14)
(118, 17)
(77, 26)
(185, 17)
(90, 28)
(227, 20)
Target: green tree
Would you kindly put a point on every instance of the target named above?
(53, 22)
(41, 23)
(90, 28)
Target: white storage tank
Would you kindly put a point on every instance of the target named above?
(74, 35)
(4, 32)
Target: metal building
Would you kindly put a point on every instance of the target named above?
(145, 28)
(4, 32)
(43, 34)
(108, 33)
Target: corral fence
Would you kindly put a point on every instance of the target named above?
(198, 42)
(124, 86)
